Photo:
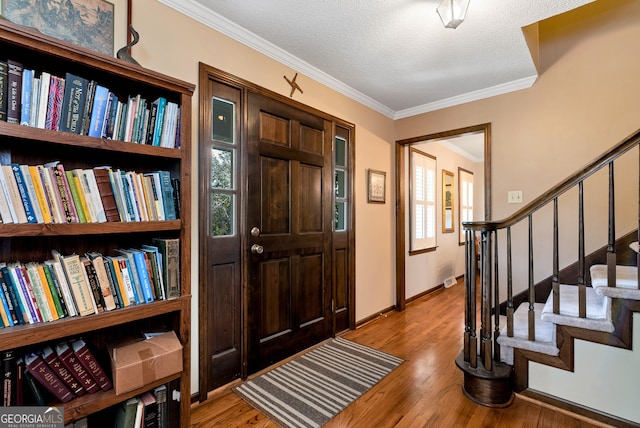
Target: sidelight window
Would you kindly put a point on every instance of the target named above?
(423, 200)
(223, 189)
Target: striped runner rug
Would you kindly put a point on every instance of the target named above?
(311, 389)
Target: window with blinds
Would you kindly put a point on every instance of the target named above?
(466, 199)
(423, 201)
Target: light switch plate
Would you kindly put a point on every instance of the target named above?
(514, 196)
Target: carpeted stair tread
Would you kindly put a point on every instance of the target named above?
(545, 334)
(626, 282)
(598, 310)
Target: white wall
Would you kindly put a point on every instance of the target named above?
(597, 381)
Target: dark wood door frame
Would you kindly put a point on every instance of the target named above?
(346, 240)
(401, 196)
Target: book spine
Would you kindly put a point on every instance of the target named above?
(15, 92)
(31, 193)
(75, 93)
(126, 280)
(88, 105)
(114, 264)
(27, 83)
(4, 89)
(39, 191)
(58, 99)
(24, 195)
(91, 365)
(74, 270)
(59, 273)
(43, 101)
(106, 194)
(65, 194)
(98, 111)
(167, 195)
(8, 378)
(170, 250)
(23, 277)
(160, 393)
(47, 378)
(20, 382)
(95, 195)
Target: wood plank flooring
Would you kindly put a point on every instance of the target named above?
(425, 391)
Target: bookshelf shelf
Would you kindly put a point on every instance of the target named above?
(36, 136)
(32, 334)
(30, 146)
(90, 403)
(49, 229)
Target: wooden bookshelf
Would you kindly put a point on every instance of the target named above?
(34, 242)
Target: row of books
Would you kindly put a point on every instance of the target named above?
(148, 410)
(65, 370)
(80, 106)
(74, 285)
(50, 194)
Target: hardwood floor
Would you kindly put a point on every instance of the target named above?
(425, 391)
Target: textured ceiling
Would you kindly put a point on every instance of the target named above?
(394, 56)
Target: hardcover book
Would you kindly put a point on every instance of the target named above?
(75, 93)
(43, 99)
(93, 283)
(8, 378)
(102, 279)
(76, 278)
(27, 88)
(14, 92)
(98, 111)
(41, 196)
(47, 378)
(91, 365)
(106, 193)
(170, 251)
(31, 193)
(24, 194)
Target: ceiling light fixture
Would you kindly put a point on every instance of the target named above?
(452, 12)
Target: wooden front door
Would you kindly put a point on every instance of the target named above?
(288, 214)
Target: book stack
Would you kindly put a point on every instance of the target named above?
(62, 372)
(71, 103)
(74, 285)
(49, 193)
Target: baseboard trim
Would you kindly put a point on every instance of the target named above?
(577, 411)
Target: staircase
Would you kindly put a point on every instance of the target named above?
(593, 300)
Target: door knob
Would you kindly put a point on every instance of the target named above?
(257, 249)
(255, 231)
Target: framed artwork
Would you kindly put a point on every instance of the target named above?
(376, 186)
(98, 25)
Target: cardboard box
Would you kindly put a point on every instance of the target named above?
(136, 364)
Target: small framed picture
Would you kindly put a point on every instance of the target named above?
(376, 186)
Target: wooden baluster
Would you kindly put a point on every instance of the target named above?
(582, 290)
(509, 286)
(555, 282)
(496, 301)
(532, 292)
(471, 266)
(611, 252)
(485, 303)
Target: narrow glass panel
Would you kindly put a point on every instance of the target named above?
(341, 152)
(341, 219)
(340, 183)
(221, 169)
(222, 209)
(223, 120)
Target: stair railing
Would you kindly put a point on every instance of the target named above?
(489, 288)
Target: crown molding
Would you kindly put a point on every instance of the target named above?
(480, 94)
(221, 24)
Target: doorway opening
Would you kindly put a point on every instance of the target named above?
(462, 151)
